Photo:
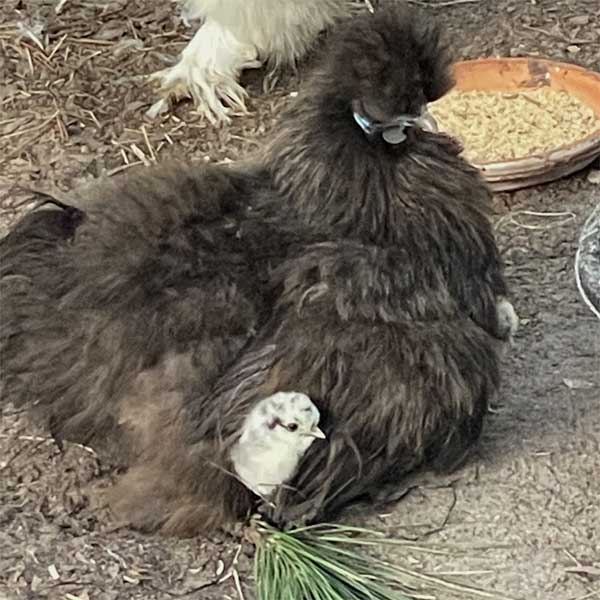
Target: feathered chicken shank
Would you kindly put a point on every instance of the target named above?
(235, 35)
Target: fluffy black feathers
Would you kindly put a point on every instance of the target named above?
(362, 274)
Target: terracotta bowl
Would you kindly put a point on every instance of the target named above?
(509, 74)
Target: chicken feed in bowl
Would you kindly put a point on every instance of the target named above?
(497, 126)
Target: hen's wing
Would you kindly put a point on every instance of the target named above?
(400, 371)
(391, 397)
(395, 390)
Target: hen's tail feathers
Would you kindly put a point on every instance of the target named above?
(37, 229)
(38, 234)
(89, 301)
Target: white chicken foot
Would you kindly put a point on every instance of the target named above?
(208, 72)
(508, 320)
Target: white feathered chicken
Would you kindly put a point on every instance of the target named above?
(237, 35)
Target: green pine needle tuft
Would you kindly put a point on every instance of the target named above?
(329, 562)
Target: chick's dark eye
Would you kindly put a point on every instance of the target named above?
(292, 427)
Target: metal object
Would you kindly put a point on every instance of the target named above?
(587, 262)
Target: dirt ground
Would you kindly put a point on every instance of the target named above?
(524, 513)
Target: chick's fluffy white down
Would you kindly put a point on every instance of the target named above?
(267, 453)
(237, 35)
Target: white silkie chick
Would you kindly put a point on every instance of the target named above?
(237, 35)
(276, 434)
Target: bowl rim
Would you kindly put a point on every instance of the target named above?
(586, 145)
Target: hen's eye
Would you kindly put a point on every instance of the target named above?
(292, 427)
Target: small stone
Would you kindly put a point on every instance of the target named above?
(580, 20)
(113, 570)
(83, 595)
(53, 572)
(594, 176)
(572, 49)
(220, 568)
(36, 583)
(578, 384)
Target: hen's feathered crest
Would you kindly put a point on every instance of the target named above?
(394, 61)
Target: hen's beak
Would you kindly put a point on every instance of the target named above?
(427, 122)
(393, 129)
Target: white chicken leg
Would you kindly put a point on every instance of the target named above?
(208, 72)
(237, 35)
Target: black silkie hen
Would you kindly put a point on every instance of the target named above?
(354, 263)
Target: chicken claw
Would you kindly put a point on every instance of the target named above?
(208, 72)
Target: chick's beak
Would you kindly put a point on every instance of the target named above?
(316, 432)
